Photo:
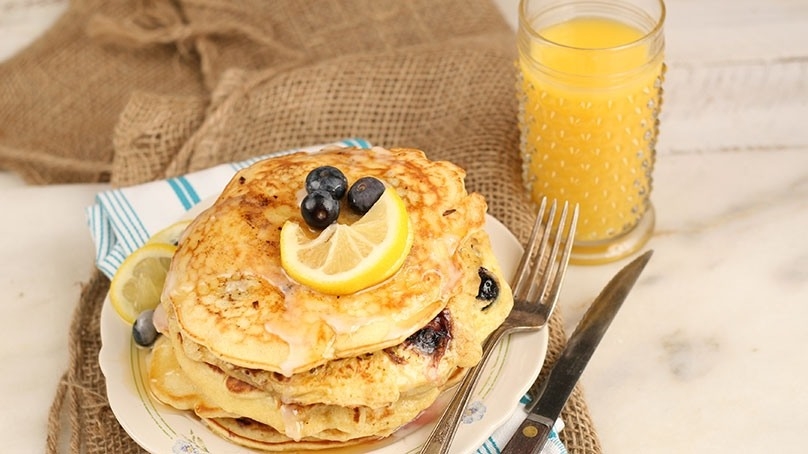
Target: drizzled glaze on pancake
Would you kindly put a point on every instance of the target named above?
(230, 296)
(270, 364)
(424, 360)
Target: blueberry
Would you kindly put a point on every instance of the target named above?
(319, 209)
(364, 193)
(329, 179)
(489, 289)
(433, 338)
(143, 330)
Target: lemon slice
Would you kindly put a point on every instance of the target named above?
(343, 258)
(138, 283)
(170, 234)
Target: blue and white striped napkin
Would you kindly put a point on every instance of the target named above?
(123, 219)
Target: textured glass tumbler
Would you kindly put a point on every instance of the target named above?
(590, 91)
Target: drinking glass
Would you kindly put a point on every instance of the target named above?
(590, 92)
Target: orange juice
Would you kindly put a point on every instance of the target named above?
(590, 101)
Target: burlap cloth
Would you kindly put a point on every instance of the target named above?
(130, 91)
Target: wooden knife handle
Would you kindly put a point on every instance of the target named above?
(530, 437)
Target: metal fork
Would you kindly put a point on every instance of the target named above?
(535, 290)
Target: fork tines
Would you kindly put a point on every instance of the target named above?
(562, 231)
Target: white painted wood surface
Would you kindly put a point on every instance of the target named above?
(708, 353)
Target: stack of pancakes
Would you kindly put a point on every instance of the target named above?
(271, 364)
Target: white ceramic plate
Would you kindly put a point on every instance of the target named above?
(162, 429)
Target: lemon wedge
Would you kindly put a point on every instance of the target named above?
(170, 234)
(344, 258)
(138, 283)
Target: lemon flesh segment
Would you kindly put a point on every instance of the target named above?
(138, 283)
(345, 259)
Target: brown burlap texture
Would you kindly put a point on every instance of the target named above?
(132, 91)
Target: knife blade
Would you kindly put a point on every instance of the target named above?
(543, 411)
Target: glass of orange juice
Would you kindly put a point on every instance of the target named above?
(590, 91)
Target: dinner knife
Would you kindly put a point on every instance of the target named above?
(546, 406)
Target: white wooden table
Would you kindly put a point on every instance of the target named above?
(708, 353)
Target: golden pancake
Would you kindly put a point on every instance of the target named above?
(231, 297)
(273, 364)
(382, 377)
(218, 394)
(252, 434)
(342, 400)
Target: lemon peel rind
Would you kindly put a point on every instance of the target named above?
(171, 234)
